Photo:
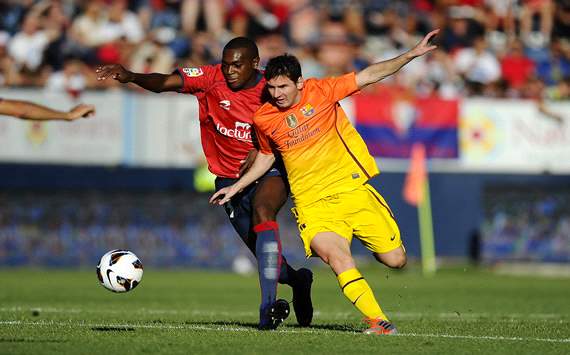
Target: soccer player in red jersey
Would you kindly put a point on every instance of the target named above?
(228, 95)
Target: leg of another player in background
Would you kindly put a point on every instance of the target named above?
(334, 250)
(270, 196)
(266, 204)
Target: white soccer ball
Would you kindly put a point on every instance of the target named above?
(119, 270)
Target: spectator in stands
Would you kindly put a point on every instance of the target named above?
(11, 14)
(477, 66)
(106, 31)
(545, 10)
(27, 48)
(213, 12)
(561, 27)
(303, 23)
(160, 13)
(460, 30)
(336, 49)
(500, 17)
(153, 55)
(71, 79)
(55, 20)
(252, 18)
(516, 67)
(271, 45)
(122, 24)
(88, 28)
(87, 31)
(348, 12)
(436, 76)
(164, 17)
(557, 65)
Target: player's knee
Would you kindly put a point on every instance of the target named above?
(263, 213)
(399, 261)
(395, 260)
(341, 262)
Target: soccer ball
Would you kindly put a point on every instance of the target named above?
(119, 270)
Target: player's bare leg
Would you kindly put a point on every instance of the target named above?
(334, 250)
(396, 258)
(270, 196)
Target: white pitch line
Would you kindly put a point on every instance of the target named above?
(485, 337)
(281, 330)
(459, 316)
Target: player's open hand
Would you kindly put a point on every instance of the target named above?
(114, 71)
(425, 44)
(80, 111)
(224, 195)
(247, 162)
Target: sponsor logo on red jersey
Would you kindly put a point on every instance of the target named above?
(241, 131)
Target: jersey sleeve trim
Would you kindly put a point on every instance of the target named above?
(183, 87)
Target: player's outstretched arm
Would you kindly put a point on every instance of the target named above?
(80, 111)
(30, 111)
(247, 162)
(154, 82)
(261, 165)
(381, 70)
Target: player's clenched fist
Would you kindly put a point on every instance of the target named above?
(115, 71)
(80, 111)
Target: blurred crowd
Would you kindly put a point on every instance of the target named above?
(164, 228)
(492, 48)
(528, 224)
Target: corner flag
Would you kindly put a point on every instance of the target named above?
(416, 193)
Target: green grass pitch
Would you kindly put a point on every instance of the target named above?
(197, 312)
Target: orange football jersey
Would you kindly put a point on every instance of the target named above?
(323, 153)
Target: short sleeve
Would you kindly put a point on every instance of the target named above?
(263, 141)
(340, 87)
(196, 79)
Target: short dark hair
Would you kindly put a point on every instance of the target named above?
(243, 43)
(283, 65)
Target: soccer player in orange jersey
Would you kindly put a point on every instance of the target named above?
(328, 166)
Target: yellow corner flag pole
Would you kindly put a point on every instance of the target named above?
(416, 192)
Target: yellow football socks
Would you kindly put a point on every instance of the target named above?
(357, 290)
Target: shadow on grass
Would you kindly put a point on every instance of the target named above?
(223, 324)
(329, 327)
(30, 340)
(113, 329)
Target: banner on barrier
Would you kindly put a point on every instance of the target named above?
(509, 135)
(163, 131)
(391, 122)
(168, 132)
(92, 141)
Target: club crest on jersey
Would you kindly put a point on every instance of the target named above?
(225, 104)
(193, 72)
(307, 110)
(291, 120)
